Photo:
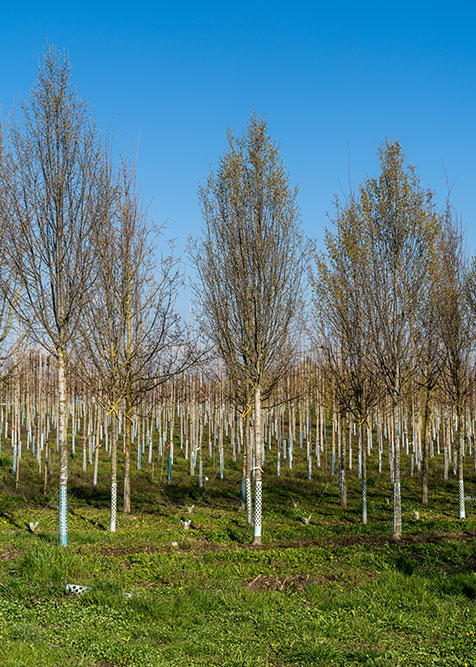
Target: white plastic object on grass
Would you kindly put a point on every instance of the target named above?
(79, 590)
(76, 588)
(32, 526)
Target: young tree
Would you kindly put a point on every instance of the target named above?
(429, 355)
(132, 336)
(343, 326)
(399, 231)
(56, 199)
(250, 264)
(13, 336)
(457, 331)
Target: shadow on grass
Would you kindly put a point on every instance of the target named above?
(92, 522)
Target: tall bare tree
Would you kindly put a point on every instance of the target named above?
(56, 199)
(343, 326)
(132, 335)
(250, 264)
(400, 227)
(456, 326)
(429, 354)
(13, 336)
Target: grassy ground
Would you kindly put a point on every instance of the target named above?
(334, 592)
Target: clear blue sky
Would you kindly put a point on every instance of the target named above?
(328, 76)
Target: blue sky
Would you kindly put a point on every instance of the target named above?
(333, 79)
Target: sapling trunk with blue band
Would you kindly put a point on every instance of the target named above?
(113, 515)
(461, 505)
(257, 470)
(63, 454)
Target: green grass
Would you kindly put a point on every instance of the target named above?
(335, 592)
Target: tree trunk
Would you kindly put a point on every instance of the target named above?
(96, 450)
(461, 507)
(341, 448)
(17, 432)
(113, 516)
(63, 454)
(127, 456)
(364, 474)
(333, 450)
(170, 460)
(397, 501)
(249, 456)
(45, 478)
(258, 471)
(244, 467)
(425, 451)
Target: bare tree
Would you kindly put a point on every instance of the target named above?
(344, 329)
(456, 295)
(13, 337)
(56, 199)
(400, 227)
(250, 264)
(429, 354)
(132, 335)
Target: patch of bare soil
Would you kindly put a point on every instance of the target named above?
(272, 583)
(186, 545)
(8, 553)
(200, 547)
(378, 540)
